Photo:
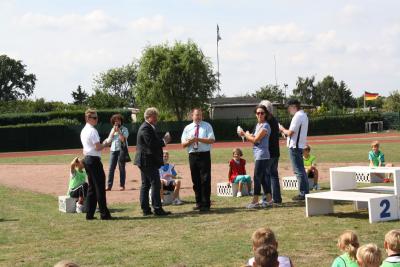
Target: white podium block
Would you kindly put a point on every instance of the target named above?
(230, 190)
(291, 183)
(66, 204)
(383, 209)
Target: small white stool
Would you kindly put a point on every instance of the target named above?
(230, 190)
(67, 204)
(168, 197)
(367, 178)
(291, 183)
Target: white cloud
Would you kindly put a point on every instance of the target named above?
(94, 21)
(145, 24)
(351, 10)
(329, 42)
(285, 33)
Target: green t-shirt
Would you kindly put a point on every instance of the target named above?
(77, 178)
(392, 261)
(344, 261)
(309, 162)
(376, 158)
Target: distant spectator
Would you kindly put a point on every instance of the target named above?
(168, 180)
(347, 243)
(265, 237)
(369, 256)
(310, 165)
(237, 171)
(78, 187)
(118, 137)
(392, 247)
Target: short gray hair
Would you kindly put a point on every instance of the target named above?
(150, 112)
(268, 105)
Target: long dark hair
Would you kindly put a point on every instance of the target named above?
(264, 109)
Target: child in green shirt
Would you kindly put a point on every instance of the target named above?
(78, 187)
(377, 159)
(348, 243)
(392, 247)
(311, 166)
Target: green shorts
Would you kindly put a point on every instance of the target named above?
(242, 178)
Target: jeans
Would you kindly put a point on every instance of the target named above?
(114, 159)
(296, 157)
(150, 179)
(260, 175)
(273, 179)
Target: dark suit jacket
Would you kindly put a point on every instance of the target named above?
(149, 152)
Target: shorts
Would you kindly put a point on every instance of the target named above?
(242, 178)
(170, 186)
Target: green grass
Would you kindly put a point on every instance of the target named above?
(34, 233)
(325, 153)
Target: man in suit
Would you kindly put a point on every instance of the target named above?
(149, 158)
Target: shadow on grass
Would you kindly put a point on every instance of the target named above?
(352, 215)
(8, 220)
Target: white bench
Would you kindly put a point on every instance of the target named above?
(292, 183)
(230, 190)
(368, 177)
(381, 207)
(67, 204)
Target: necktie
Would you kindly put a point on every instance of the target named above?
(196, 134)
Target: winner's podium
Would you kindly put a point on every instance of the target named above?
(382, 202)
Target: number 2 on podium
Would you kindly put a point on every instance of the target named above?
(385, 204)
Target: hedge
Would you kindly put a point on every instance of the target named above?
(59, 136)
(28, 118)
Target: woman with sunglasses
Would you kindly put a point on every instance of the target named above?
(260, 140)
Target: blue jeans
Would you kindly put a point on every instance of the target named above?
(296, 157)
(273, 179)
(114, 156)
(260, 175)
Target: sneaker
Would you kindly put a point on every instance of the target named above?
(177, 201)
(239, 194)
(253, 206)
(79, 208)
(266, 204)
(299, 198)
(317, 187)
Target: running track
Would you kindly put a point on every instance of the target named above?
(389, 137)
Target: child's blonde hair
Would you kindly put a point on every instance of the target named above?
(238, 151)
(263, 236)
(307, 148)
(66, 263)
(375, 144)
(348, 242)
(392, 239)
(369, 255)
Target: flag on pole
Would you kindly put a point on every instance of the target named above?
(370, 96)
(218, 35)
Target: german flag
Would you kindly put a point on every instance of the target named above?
(370, 96)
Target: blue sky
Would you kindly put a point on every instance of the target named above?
(67, 43)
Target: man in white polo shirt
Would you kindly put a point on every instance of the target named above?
(94, 168)
(296, 141)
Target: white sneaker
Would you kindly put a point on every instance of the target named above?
(253, 206)
(177, 201)
(239, 194)
(79, 208)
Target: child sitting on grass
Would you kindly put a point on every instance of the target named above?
(266, 256)
(168, 180)
(311, 166)
(369, 256)
(265, 237)
(237, 171)
(78, 186)
(347, 243)
(392, 247)
(377, 159)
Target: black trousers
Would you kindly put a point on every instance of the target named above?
(97, 187)
(200, 169)
(80, 191)
(150, 179)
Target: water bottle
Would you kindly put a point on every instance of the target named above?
(239, 130)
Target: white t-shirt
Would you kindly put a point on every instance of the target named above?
(283, 262)
(299, 119)
(89, 137)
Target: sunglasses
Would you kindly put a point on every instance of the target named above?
(260, 113)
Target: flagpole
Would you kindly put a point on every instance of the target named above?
(218, 37)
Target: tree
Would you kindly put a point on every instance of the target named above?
(306, 91)
(334, 95)
(14, 82)
(80, 96)
(118, 82)
(175, 78)
(270, 92)
(102, 99)
(392, 102)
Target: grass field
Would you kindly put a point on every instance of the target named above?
(325, 153)
(34, 233)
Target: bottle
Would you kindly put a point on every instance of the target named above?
(239, 130)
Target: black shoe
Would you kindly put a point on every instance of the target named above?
(204, 209)
(161, 212)
(147, 213)
(90, 218)
(299, 198)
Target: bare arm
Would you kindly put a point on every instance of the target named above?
(255, 139)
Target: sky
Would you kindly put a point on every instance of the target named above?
(68, 43)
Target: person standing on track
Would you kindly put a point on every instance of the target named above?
(94, 168)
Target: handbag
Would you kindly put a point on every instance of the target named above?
(124, 153)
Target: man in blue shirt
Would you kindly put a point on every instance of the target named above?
(197, 138)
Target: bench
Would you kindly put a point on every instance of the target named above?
(291, 183)
(230, 190)
(381, 207)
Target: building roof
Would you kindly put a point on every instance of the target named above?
(234, 101)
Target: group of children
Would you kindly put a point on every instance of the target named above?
(368, 255)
